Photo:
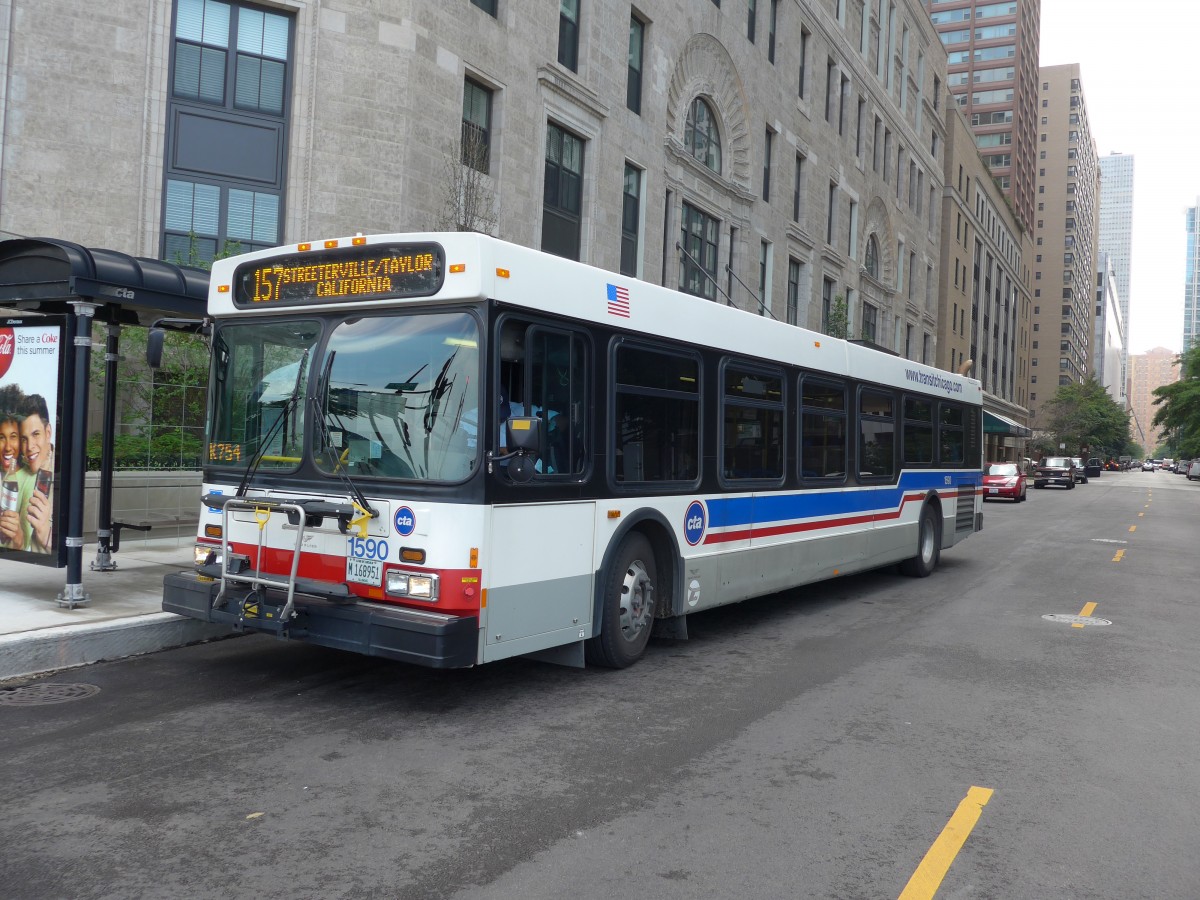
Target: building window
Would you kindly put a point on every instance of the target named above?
(700, 233)
(223, 177)
(488, 6)
(631, 221)
(476, 126)
(793, 292)
(870, 322)
(562, 196)
(764, 277)
(766, 185)
(803, 50)
(751, 19)
(871, 263)
(826, 304)
(771, 31)
(831, 87)
(700, 134)
(633, 84)
(831, 213)
(568, 34)
(798, 190)
(852, 237)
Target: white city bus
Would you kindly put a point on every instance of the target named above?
(449, 450)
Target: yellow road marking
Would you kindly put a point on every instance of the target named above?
(1117, 558)
(933, 868)
(1140, 515)
(1088, 609)
(1133, 528)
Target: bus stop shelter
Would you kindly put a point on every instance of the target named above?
(47, 276)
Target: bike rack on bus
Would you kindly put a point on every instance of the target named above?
(255, 579)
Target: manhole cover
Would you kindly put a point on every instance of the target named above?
(43, 694)
(1076, 620)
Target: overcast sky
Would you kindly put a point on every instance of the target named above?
(1138, 66)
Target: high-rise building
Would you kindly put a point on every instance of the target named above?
(1109, 345)
(1064, 267)
(1148, 371)
(1191, 289)
(992, 70)
(1116, 230)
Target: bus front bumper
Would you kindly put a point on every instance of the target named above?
(373, 629)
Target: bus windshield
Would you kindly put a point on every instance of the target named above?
(403, 397)
(260, 373)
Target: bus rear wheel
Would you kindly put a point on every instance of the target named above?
(929, 545)
(627, 615)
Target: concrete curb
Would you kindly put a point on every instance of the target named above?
(66, 646)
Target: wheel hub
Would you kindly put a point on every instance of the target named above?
(637, 600)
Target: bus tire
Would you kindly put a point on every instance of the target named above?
(627, 611)
(929, 545)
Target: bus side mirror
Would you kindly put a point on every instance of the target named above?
(154, 347)
(523, 437)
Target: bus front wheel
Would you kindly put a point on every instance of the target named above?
(628, 605)
(929, 545)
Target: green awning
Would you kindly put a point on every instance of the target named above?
(994, 423)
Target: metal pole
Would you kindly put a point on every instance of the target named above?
(104, 561)
(73, 594)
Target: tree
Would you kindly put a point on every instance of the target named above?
(1179, 407)
(838, 325)
(1084, 415)
(469, 198)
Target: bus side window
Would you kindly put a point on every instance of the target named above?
(951, 434)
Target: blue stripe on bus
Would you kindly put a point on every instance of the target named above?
(764, 509)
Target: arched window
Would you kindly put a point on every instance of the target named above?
(701, 136)
(872, 261)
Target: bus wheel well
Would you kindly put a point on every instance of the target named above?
(667, 559)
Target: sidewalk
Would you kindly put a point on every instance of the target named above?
(123, 618)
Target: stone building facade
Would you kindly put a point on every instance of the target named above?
(794, 149)
(984, 301)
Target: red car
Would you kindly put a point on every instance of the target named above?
(1004, 480)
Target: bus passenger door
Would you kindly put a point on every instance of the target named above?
(539, 575)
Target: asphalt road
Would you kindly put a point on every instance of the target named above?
(810, 744)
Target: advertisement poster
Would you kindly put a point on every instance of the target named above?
(31, 354)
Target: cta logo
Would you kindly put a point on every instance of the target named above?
(406, 521)
(693, 523)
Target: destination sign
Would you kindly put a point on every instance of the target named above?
(350, 274)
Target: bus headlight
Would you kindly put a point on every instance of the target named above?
(412, 585)
(203, 551)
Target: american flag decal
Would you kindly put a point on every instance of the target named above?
(618, 301)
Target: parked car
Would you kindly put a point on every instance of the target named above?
(1081, 475)
(1054, 470)
(1193, 472)
(1148, 465)
(1004, 480)
(1094, 467)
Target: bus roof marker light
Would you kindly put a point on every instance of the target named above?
(303, 247)
(329, 245)
(816, 343)
(502, 273)
(222, 289)
(358, 240)
(458, 268)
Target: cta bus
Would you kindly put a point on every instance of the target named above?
(448, 450)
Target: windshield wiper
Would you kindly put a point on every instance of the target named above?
(324, 437)
(279, 425)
